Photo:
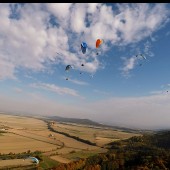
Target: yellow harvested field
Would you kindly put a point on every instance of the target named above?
(32, 134)
(21, 136)
(18, 122)
(36, 136)
(16, 144)
(100, 141)
(60, 159)
(15, 162)
(66, 150)
(72, 143)
(82, 132)
(68, 142)
(98, 135)
(115, 134)
(24, 133)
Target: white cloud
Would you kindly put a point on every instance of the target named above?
(92, 7)
(153, 38)
(56, 89)
(168, 33)
(18, 90)
(77, 20)
(60, 10)
(149, 19)
(147, 49)
(30, 40)
(156, 92)
(78, 82)
(30, 77)
(129, 64)
(7, 70)
(101, 92)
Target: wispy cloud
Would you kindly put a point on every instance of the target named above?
(61, 27)
(101, 92)
(156, 92)
(129, 64)
(30, 77)
(18, 90)
(56, 89)
(78, 82)
(165, 86)
(168, 33)
(147, 49)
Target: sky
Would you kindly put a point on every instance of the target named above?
(116, 87)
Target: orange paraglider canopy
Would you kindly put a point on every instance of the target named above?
(98, 42)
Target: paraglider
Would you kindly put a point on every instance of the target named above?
(34, 159)
(91, 75)
(68, 67)
(141, 56)
(98, 43)
(83, 47)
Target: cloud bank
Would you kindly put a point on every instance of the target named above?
(32, 35)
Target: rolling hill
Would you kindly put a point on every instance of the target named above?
(90, 123)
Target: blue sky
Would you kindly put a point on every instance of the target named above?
(37, 42)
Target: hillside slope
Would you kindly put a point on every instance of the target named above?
(137, 153)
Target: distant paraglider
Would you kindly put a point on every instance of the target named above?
(68, 67)
(141, 56)
(83, 47)
(91, 75)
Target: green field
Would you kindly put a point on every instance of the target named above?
(47, 163)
